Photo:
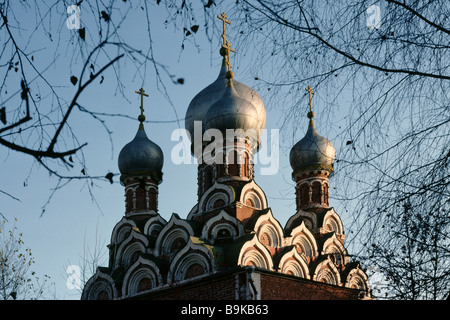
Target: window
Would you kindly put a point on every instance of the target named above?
(208, 177)
(129, 201)
(304, 194)
(141, 199)
(152, 205)
(194, 270)
(233, 166)
(316, 192)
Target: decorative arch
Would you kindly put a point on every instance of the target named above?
(208, 200)
(173, 236)
(129, 250)
(327, 272)
(334, 248)
(357, 279)
(332, 223)
(193, 261)
(304, 241)
(99, 287)
(252, 195)
(220, 224)
(294, 264)
(154, 225)
(307, 217)
(122, 230)
(143, 275)
(253, 253)
(269, 230)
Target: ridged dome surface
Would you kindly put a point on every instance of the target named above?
(201, 103)
(232, 112)
(312, 150)
(140, 155)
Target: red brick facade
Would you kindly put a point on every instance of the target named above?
(268, 286)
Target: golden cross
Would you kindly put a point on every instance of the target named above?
(142, 94)
(228, 48)
(223, 17)
(309, 89)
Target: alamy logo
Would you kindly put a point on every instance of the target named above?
(73, 281)
(74, 20)
(374, 18)
(208, 147)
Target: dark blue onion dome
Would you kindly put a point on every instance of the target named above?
(141, 156)
(313, 151)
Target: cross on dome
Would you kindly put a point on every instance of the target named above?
(223, 17)
(311, 92)
(141, 117)
(226, 48)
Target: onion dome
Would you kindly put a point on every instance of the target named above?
(313, 151)
(202, 102)
(232, 112)
(141, 156)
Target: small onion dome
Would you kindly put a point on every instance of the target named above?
(141, 156)
(312, 152)
(232, 111)
(202, 102)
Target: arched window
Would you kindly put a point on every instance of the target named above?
(141, 201)
(152, 199)
(233, 165)
(103, 295)
(325, 194)
(177, 244)
(208, 177)
(219, 203)
(246, 171)
(129, 201)
(316, 192)
(194, 270)
(304, 194)
(144, 284)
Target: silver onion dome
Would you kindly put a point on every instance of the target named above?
(312, 151)
(232, 111)
(141, 155)
(202, 102)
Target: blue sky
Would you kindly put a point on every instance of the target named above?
(74, 218)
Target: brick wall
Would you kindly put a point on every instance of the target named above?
(279, 287)
(270, 286)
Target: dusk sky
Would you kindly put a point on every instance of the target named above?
(80, 215)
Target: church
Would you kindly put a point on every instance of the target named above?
(230, 246)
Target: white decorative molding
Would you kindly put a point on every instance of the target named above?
(222, 220)
(140, 270)
(295, 264)
(327, 272)
(253, 191)
(304, 241)
(175, 229)
(192, 254)
(154, 224)
(267, 224)
(99, 283)
(253, 253)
